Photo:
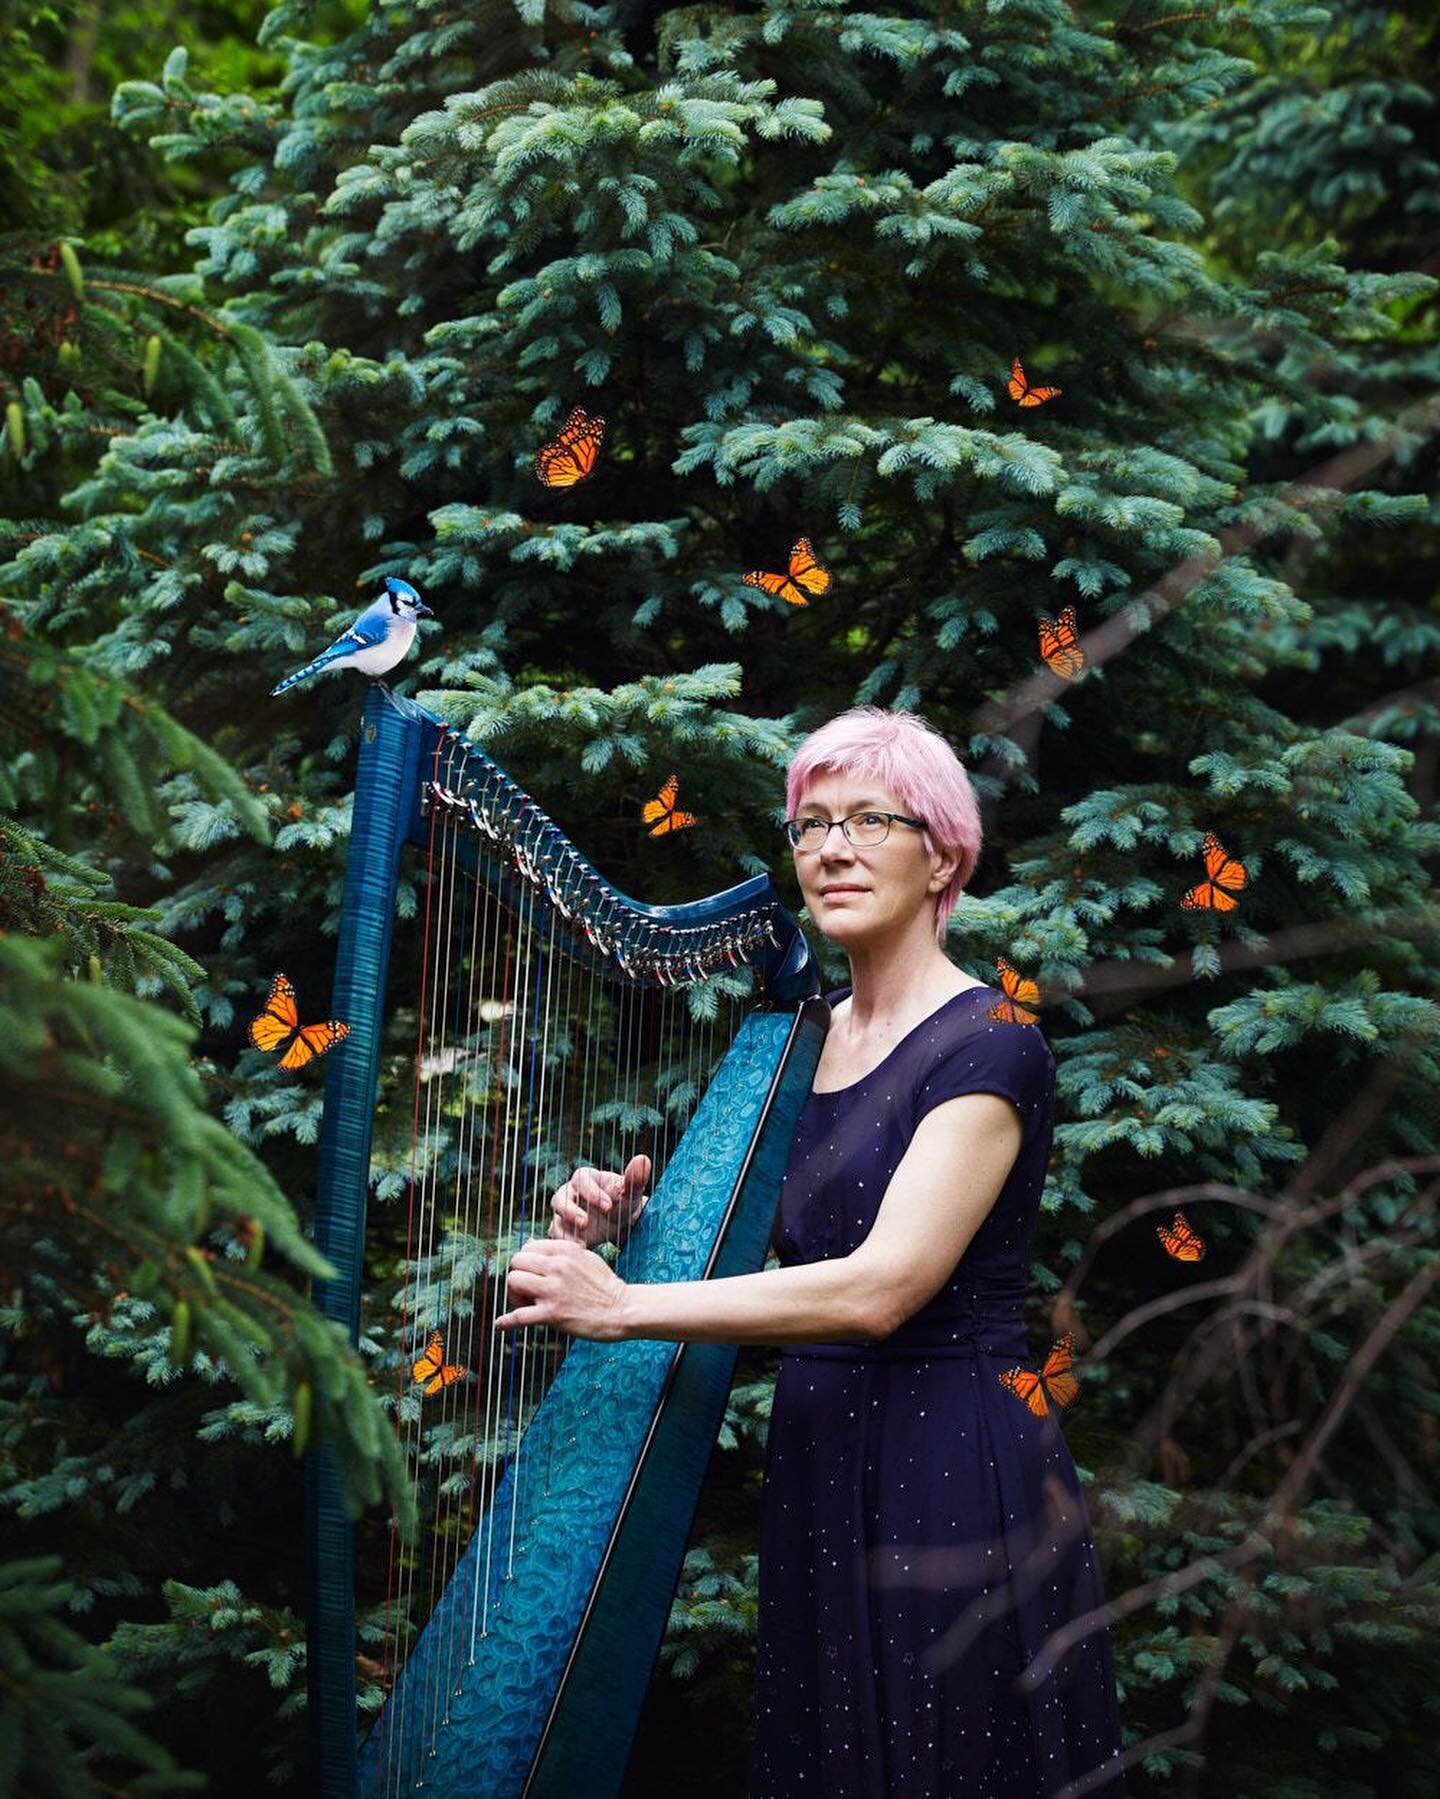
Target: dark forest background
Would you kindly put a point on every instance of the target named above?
(288, 299)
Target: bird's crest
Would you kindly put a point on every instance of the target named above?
(401, 593)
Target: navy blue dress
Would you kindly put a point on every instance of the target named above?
(922, 1532)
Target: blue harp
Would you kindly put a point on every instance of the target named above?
(557, 1023)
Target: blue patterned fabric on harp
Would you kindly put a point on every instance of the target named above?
(560, 1023)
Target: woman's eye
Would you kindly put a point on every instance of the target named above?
(871, 819)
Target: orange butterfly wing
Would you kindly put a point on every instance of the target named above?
(1059, 1382)
(1021, 994)
(1059, 647)
(1023, 392)
(1025, 1385)
(432, 1371)
(1054, 1384)
(570, 456)
(1180, 1241)
(805, 571)
(804, 576)
(772, 584)
(1227, 878)
(313, 1040)
(662, 815)
(280, 1017)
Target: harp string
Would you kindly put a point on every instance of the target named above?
(539, 1137)
(580, 1119)
(472, 1157)
(549, 1123)
(520, 1354)
(495, 1233)
(437, 1422)
(488, 1363)
(392, 1633)
(495, 1038)
(464, 1243)
(517, 1351)
(425, 1435)
(463, 1276)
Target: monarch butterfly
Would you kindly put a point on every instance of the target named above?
(1059, 648)
(570, 456)
(1054, 1384)
(281, 1020)
(1023, 392)
(432, 1371)
(1020, 994)
(804, 573)
(1180, 1241)
(1227, 878)
(662, 814)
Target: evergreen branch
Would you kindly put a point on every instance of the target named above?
(1028, 696)
(1278, 296)
(157, 297)
(1198, 17)
(182, 748)
(1122, 984)
(188, 751)
(62, 1705)
(1130, 95)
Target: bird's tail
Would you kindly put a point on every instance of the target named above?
(302, 674)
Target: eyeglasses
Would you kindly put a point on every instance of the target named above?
(864, 829)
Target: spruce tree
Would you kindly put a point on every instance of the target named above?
(138, 1235)
(791, 254)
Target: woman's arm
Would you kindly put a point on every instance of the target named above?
(951, 1175)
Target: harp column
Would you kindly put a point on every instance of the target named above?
(387, 784)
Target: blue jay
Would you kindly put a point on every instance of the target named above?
(378, 639)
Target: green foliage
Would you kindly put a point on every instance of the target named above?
(712, 1608)
(136, 1226)
(212, 1640)
(790, 252)
(69, 169)
(63, 1705)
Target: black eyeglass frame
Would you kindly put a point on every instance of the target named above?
(792, 828)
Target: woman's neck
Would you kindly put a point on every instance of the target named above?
(895, 988)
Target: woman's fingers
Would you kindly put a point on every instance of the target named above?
(559, 1282)
(589, 1205)
(572, 1213)
(594, 1201)
(636, 1177)
(537, 1255)
(525, 1283)
(570, 1209)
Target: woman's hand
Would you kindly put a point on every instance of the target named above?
(596, 1206)
(560, 1283)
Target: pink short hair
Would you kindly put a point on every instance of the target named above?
(909, 758)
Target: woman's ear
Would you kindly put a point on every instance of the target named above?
(943, 866)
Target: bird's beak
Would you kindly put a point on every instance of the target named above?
(422, 610)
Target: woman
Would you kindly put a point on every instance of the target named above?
(922, 1530)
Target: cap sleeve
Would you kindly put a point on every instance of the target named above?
(1013, 1060)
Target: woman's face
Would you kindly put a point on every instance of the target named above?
(859, 895)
